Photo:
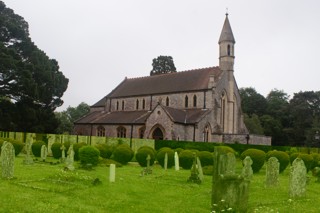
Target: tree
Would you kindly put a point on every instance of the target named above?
(162, 65)
(252, 102)
(31, 85)
(253, 124)
(69, 116)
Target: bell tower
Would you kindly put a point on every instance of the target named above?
(226, 63)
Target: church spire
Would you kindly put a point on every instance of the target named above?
(226, 33)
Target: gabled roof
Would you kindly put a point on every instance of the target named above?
(165, 83)
(226, 33)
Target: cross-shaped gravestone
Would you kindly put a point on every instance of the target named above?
(194, 177)
(147, 170)
(7, 160)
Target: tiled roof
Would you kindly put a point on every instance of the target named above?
(186, 116)
(165, 83)
(118, 117)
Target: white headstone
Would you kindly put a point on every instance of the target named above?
(166, 161)
(176, 161)
(112, 173)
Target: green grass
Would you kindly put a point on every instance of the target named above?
(47, 188)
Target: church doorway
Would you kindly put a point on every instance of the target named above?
(157, 134)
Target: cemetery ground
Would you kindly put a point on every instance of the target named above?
(42, 187)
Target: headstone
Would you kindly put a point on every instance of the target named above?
(194, 177)
(231, 164)
(112, 173)
(63, 153)
(272, 172)
(70, 158)
(7, 160)
(298, 179)
(166, 161)
(28, 159)
(247, 172)
(44, 153)
(147, 170)
(230, 188)
(176, 161)
(200, 169)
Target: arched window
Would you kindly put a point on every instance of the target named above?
(207, 133)
(141, 131)
(137, 104)
(121, 132)
(167, 101)
(229, 49)
(186, 101)
(223, 112)
(101, 131)
(117, 105)
(143, 104)
(194, 101)
(122, 107)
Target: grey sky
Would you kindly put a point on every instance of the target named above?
(100, 42)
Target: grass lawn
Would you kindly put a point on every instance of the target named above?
(47, 188)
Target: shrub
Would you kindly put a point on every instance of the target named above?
(307, 159)
(143, 153)
(56, 149)
(282, 157)
(226, 149)
(76, 148)
(206, 158)
(315, 161)
(160, 156)
(293, 156)
(123, 154)
(36, 148)
(207, 170)
(186, 159)
(107, 162)
(18, 146)
(105, 150)
(257, 156)
(89, 155)
(178, 150)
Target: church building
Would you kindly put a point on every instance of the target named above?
(195, 105)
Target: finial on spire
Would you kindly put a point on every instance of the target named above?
(227, 12)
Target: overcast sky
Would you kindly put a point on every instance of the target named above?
(100, 42)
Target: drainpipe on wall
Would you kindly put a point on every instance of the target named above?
(194, 132)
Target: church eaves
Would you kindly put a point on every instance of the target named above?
(226, 33)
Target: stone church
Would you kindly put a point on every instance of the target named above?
(195, 105)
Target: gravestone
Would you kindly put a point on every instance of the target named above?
(194, 177)
(70, 158)
(63, 153)
(230, 188)
(28, 159)
(298, 179)
(112, 173)
(166, 161)
(272, 172)
(44, 153)
(247, 172)
(147, 170)
(176, 161)
(7, 160)
(231, 164)
(200, 169)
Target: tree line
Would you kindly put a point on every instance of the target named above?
(289, 121)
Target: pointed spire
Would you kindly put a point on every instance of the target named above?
(226, 33)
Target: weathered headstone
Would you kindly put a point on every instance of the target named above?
(272, 172)
(247, 172)
(231, 164)
(112, 173)
(166, 161)
(200, 169)
(44, 153)
(63, 153)
(298, 179)
(230, 188)
(70, 158)
(176, 161)
(7, 160)
(28, 159)
(147, 170)
(194, 177)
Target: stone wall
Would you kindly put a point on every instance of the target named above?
(242, 139)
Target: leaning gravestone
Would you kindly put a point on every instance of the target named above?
(44, 153)
(232, 189)
(298, 179)
(247, 172)
(7, 160)
(176, 161)
(272, 172)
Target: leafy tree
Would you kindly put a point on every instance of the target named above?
(162, 65)
(253, 124)
(252, 102)
(31, 85)
(69, 116)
